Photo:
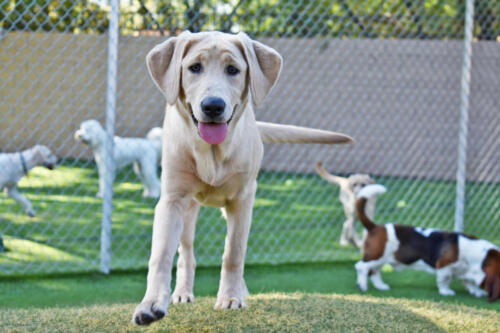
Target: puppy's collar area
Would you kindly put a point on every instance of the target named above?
(23, 163)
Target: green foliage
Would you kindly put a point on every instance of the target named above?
(437, 19)
(341, 18)
(53, 15)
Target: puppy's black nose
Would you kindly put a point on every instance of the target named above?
(213, 106)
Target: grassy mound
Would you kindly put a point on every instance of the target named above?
(285, 312)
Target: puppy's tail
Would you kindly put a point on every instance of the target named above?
(364, 194)
(278, 133)
(341, 181)
(154, 135)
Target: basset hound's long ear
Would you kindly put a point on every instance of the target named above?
(491, 283)
(264, 67)
(492, 286)
(164, 65)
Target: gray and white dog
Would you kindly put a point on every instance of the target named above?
(142, 153)
(14, 166)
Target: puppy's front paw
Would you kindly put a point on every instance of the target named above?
(225, 303)
(148, 312)
(31, 213)
(232, 295)
(182, 297)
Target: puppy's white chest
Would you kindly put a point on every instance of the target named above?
(210, 169)
(212, 176)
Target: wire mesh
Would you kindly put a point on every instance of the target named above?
(385, 72)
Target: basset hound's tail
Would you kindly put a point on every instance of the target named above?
(363, 195)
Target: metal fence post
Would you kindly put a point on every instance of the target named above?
(107, 204)
(464, 118)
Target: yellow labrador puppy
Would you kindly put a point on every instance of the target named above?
(211, 156)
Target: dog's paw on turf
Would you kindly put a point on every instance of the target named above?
(226, 303)
(182, 297)
(148, 312)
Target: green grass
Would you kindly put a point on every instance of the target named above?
(293, 298)
(297, 218)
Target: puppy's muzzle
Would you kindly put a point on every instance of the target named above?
(213, 107)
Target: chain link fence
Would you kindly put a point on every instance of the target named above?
(387, 73)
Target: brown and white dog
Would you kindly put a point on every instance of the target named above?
(349, 187)
(476, 262)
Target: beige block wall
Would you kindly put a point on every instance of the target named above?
(400, 99)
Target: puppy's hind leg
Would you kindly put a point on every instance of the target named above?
(186, 264)
(14, 194)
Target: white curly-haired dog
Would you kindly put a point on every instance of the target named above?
(14, 166)
(142, 153)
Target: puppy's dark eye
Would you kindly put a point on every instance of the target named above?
(231, 70)
(196, 68)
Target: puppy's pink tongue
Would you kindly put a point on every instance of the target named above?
(213, 133)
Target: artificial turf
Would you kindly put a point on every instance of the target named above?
(294, 298)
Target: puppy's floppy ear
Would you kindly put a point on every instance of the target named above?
(164, 65)
(264, 67)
